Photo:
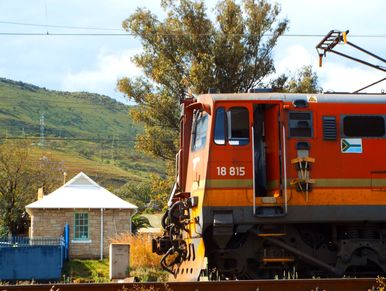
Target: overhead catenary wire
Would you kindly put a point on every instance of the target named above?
(170, 34)
(123, 33)
(60, 26)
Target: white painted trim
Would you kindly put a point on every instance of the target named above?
(101, 251)
(81, 241)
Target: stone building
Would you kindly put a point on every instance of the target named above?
(93, 214)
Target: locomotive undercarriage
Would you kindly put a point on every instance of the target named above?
(297, 251)
(270, 250)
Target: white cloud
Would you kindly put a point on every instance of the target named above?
(103, 77)
(78, 63)
(340, 78)
(294, 58)
(336, 74)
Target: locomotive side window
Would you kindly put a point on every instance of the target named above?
(219, 128)
(364, 126)
(300, 124)
(231, 125)
(238, 126)
(200, 125)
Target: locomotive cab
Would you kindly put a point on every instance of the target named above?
(248, 147)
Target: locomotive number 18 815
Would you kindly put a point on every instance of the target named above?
(231, 171)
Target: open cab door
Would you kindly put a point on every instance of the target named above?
(269, 161)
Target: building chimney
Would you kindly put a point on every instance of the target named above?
(40, 193)
(64, 177)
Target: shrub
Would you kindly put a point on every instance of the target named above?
(141, 255)
(144, 264)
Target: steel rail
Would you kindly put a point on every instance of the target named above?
(362, 284)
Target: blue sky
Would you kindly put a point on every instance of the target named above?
(89, 63)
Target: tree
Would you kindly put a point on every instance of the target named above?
(14, 192)
(21, 174)
(149, 196)
(48, 174)
(138, 221)
(187, 52)
(303, 81)
(136, 193)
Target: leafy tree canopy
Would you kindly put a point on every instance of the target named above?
(149, 196)
(187, 51)
(139, 221)
(21, 174)
(303, 81)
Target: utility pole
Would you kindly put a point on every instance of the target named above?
(112, 148)
(41, 142)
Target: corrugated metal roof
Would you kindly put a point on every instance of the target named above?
(81, 192)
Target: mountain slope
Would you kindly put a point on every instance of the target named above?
(66, 114)
(87, 132)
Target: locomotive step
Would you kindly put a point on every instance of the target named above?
(270, 234)
(277, 260)
(269, 211)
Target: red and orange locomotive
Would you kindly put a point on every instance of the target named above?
(272, 183)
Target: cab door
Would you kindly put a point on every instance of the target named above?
(267, 150)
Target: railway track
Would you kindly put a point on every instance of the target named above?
(256, 285)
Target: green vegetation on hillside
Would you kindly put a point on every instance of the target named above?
(85, 132)
(67, 115)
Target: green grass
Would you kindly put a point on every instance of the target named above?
(108, 172)
(84, 271)
(95, 271)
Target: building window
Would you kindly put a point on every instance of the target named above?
(81, 226)
(364, 126)
(200, 126)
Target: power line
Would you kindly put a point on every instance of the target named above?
(79, 103)
(173, 34)
(63, 34)
(68, 138)
(49, 103)
(47, 138)
(60, 26)
(132, 34)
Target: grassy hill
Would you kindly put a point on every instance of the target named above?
(80, 115)
(87, 132)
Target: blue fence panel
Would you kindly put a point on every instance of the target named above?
(27, 241)
(31, 259)
(66, 237)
